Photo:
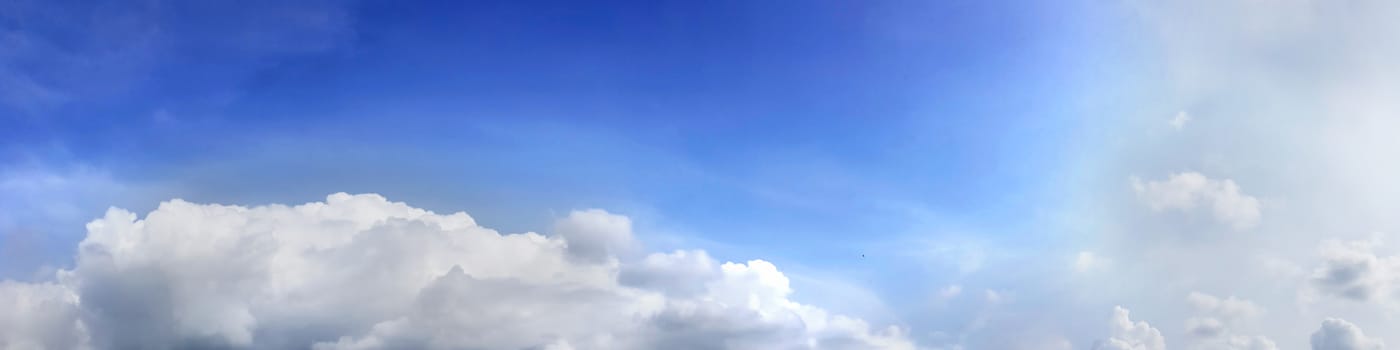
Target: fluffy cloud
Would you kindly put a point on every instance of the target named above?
(595, 234)
(1207, 332)
(683, 273)
(39, 316)
(1129, 335)
(361, 272)
(1338, 334)
(1186, 191)
(1353, 271)
(1213, 327)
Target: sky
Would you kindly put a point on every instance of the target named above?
(1081, 174)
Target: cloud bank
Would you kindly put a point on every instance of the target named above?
(361, 272)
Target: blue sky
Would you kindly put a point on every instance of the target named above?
(1003, 149)
(805, 134)
(742, 121)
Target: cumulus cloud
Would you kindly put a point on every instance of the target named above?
(1214, 326)
(1353, 271)
(595, 234)
(39, 316)
(361, 272)
(1189, 190)
(1128, 335)
(1338, 334)
(683, 272)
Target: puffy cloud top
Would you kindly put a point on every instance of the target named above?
(361, 272)
(1338, 334)
(1129, 335)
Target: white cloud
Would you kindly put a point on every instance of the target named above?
(595, 234)
(1214, 327)
(683, 272)
(1179, 121)
(1128, 335)
(360, 272)
(39, 316)
(1353, 271)
(1338, 334)
(1186, 191)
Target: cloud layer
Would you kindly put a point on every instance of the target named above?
(361, 272)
